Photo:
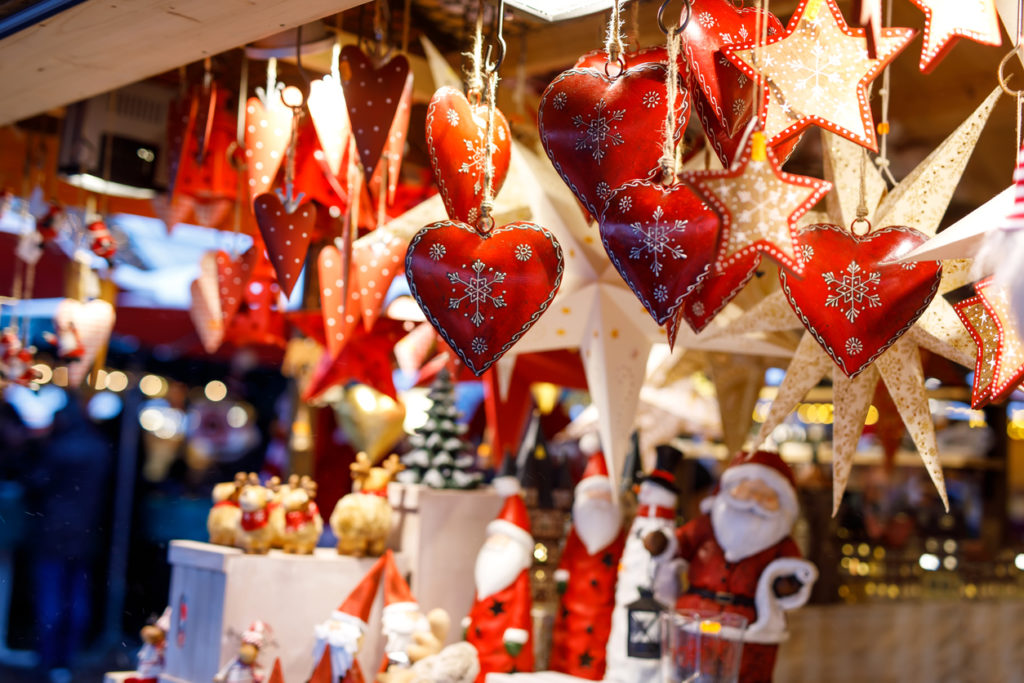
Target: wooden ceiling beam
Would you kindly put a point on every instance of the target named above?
(101, 45)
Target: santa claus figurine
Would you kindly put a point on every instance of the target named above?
(343, 632)
(244, 668)
(642, 570)
(401, 618)
(742, 558)
(586, 574)
(499, 623)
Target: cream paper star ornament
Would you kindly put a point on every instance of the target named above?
(818, 73)
(946, 21)
(920, 200)
(759, 205)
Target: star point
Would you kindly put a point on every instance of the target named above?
(946, 21)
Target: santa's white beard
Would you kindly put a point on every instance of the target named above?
(597, 522)
(400, 626)
(498, 563)
(743, 528)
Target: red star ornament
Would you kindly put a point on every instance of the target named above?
(947, 21)
(983, 331)
(817, 73)
(759, 205)
(1008, 371)
(366, 358)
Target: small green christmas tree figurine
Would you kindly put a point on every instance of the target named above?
(440, 457)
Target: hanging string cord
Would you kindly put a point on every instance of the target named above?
(862, 203)
(613, 41)
(475, 85)
(668, 145)
(487, 202)
(759, 27)
(882, 160)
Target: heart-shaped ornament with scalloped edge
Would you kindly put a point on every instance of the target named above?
(662, 241)
(601, 132)
(455, 140)
(287, 235)
(482, 292)
(853, 297)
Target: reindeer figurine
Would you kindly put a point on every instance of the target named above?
(362, 519)
(225, 516)
(299, 525)
(255, 533)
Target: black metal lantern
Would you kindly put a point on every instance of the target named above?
(644, 619)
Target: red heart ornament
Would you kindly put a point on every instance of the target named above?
(340, 314)
(205, 308)
(455, 140)
(372, 96)
(394, 148)
(662, 241)
(852, 297)
(601, 132)
(287, 236)
(232, 276)
(714, 293)
(598, 59)
(376, 263)
(482, 292)
(93, 322)
(268, 131)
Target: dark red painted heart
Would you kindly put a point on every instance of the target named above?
(662, 241)
(287, 236)
(598, 59)
(232, 276)
(483, 292)
(455, 140)
(601, 132)
(713, 293)
(852, 297)
(371, 97)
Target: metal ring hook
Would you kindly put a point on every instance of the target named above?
(1002, 77)
(682, 22)
(492, 67)
(304, 87)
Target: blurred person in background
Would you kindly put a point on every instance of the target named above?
(68, 485)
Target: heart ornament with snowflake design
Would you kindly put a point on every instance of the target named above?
(601, 132)
(483, 291)
(455, 140)
(662, 240)
(853, 297)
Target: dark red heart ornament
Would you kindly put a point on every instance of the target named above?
(598, 59)
(601, 132)
(455, 140)
(662, 241)
(483, 291)
(232, 276)
(371, 97)
(287, 235)
(712, 294)
(852, 297)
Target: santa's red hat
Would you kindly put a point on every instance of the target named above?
(513, 520)
(595, 475)
(769, 468)
(397, 594)
(356, 608)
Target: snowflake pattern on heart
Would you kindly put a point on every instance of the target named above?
(597, 130)
(482, 292)
(662, 241)
(853, 297)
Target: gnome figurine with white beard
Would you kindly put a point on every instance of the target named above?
(342, 634)
(742, 559)
(641, 570)
(403, 623)
(499, 624)
(586, 574)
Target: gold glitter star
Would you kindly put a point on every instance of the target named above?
(946, 21)
(817, 73)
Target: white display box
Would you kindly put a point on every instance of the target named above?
(440, 532)
(539, 677)
(224, 590)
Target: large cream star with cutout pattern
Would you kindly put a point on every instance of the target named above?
(946, 21)
(818, 72)
(919, 201)
(759, 205)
